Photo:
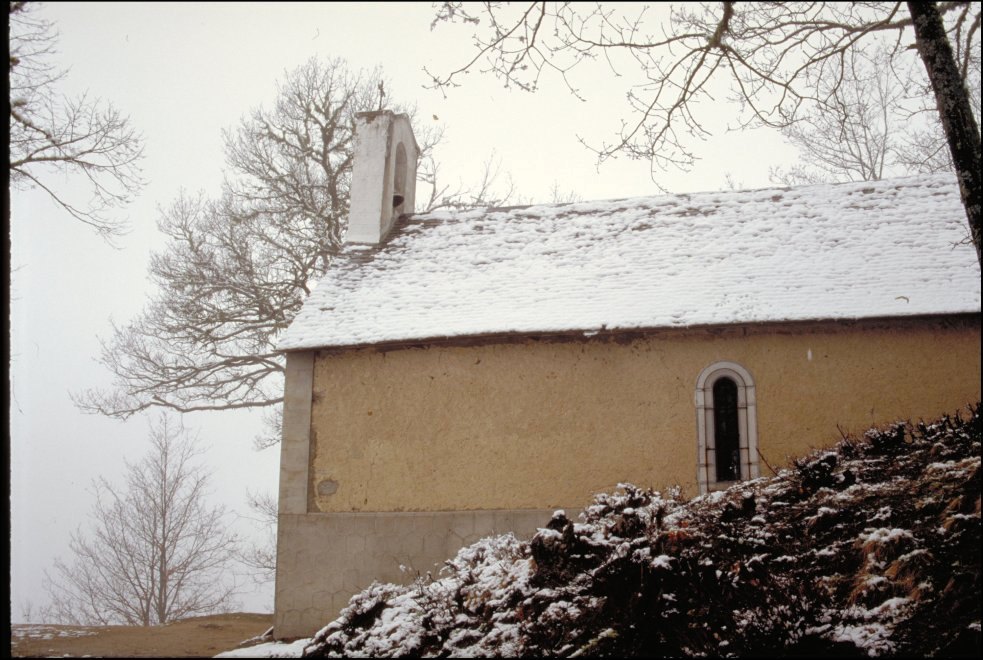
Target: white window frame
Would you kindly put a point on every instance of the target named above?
(747, 418)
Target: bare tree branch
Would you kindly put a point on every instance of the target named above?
(156, 551)
(783, 62)
(485, 192)
(261, 556)
(51, 133)
(236, 269)
(860, 131)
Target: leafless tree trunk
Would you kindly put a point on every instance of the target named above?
(50, 133)
(961, 128)
(156, 551)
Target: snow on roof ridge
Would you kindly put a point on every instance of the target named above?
(935, 176)
(824, 251)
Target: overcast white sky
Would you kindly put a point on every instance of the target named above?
(183, 72)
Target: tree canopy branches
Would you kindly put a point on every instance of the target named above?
(236, 269)
(781, 60)
(49, 132)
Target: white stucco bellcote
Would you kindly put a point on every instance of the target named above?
(383, 175)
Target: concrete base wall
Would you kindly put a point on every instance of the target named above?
(323, 559)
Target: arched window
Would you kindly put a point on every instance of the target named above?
(727, 428)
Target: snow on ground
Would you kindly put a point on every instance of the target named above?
(269, 650)
(40, 631)
(834, 251)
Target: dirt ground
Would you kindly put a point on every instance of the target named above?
(200, 637)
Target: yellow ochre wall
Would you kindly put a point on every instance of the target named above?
(543, 423)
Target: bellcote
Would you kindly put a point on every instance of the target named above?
(383, 175)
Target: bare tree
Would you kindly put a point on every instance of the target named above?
(53, 133)
(877, 122)
(156, 551)
(856, 134)
(559, 196)
(925, 147)
(780, 59)
(485, 192)
(28, 612)
(236, 269)
(261, 556)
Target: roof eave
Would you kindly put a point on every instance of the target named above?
(631, 334)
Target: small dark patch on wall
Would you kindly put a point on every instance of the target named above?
(327, 487)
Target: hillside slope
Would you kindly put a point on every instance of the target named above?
(871, 548)
(197, 637)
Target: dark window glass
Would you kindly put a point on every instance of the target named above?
(727, 435)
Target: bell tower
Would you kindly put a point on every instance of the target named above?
(383, 175)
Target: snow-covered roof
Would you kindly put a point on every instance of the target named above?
(841, 251)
